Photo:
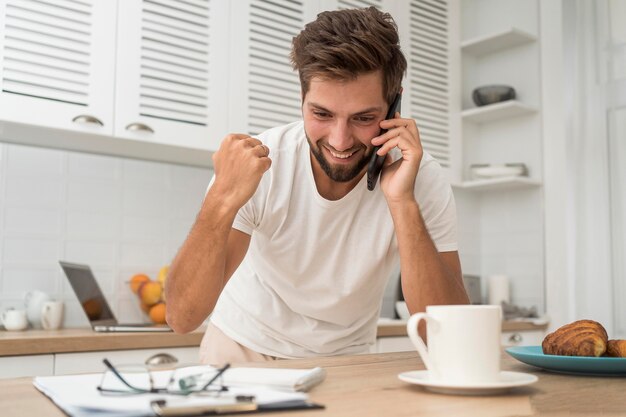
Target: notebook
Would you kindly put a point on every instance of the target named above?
(95, 305)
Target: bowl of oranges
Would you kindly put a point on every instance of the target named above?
(151, 294)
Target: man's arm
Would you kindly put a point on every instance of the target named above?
(428, 276)
(213, 250)
(202, 267)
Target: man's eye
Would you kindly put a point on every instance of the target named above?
(321, 114)
(364, 119)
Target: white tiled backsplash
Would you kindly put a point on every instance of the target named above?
(502, 233)
(499, 233)
(121, 216)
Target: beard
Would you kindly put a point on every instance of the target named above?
(340, 173)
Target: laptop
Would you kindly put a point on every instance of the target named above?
(95, 305)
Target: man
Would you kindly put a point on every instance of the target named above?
(290, 252)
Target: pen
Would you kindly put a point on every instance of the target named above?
(161, 408)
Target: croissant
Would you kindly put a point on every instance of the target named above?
(616, 348)
(580, 338)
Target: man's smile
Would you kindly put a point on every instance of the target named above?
(342, 157)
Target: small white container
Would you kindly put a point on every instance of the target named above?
(14, 319)
(402, 310)
(482, 172)
(33, 302)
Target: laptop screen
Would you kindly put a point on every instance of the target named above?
(88, 292)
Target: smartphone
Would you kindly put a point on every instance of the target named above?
(376, 163)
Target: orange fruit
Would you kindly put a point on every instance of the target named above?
(93, 308)
(157, 313)
(137, 280)
(145, 307)
(150, 292)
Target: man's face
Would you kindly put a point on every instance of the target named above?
(340, 120)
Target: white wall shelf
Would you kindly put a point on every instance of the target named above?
(483, 45)
(497, 111)
(504, 183)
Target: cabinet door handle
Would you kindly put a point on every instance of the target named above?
(87, 119)
(516, 338)
(139, 127)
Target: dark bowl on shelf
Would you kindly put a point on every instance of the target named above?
(490, 94)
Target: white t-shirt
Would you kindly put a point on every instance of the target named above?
(313, 278)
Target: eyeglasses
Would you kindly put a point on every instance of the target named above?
(139, 379)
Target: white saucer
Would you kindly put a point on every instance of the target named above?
(507, 381)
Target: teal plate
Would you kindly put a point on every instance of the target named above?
(580, 365)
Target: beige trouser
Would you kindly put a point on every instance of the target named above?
(217, 349)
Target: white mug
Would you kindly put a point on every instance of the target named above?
(52, 315)
(14, 319)
(34, 301)
(463, 342)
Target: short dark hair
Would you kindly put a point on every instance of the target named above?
(343, 44)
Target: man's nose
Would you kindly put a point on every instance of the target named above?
(340, 137)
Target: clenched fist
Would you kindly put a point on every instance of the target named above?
(239, 165)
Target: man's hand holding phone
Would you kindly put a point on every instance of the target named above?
(239, 166)
(377, 161)
(398, 178)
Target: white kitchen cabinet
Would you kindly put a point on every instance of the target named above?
(134, 78)
(166, 80)
(523, 338)
(263, 87)
(30, 365)
(508, 338)
(85, 362)
(429, 36)
(171, 77)
(57, 64)
(393, 344)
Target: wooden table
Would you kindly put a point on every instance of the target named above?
(367, 386)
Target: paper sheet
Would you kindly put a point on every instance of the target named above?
(77, 394)
(276, 378)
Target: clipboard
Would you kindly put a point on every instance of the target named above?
(245, 405)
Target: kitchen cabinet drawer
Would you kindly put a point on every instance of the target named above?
(522, 338)
(31, 365)
(393, 344)
(512, 338)
(75, 363)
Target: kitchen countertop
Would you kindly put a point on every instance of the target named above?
(368, 385)
(397, 328)
(39, 342)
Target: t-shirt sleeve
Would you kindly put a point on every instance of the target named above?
(436, 200)
(245, 219)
